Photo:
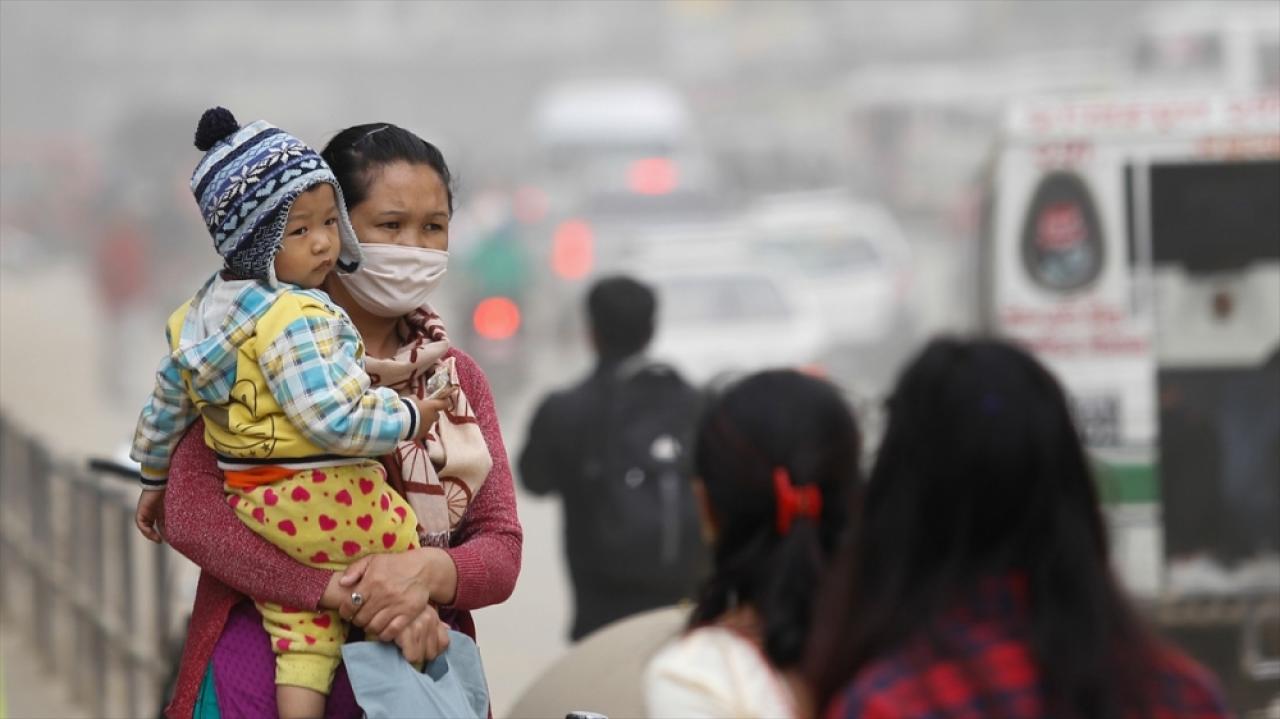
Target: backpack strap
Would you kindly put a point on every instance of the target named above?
(642, 365)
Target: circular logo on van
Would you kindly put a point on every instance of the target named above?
(1061, 237)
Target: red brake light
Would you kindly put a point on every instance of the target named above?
(496, 318)
(572, 249)
(652, 176)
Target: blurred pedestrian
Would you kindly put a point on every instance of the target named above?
(776, 459)
(397, 189)
(614, 448)
(121, 273)
(977, 582)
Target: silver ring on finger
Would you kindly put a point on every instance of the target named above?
(357, 599)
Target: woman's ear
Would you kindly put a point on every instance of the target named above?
(710, 528)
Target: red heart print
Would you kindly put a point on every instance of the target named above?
(343, 497)
(271, 498)
(366, 486)
(260, 514)
(350, 548)
(365, 522)
(327, 523)
(311, 639)
(233, 500)
(287, 527)
(322, 620)
(319, 558)
(400, 511)
(300, 494)
(385, 503)
(317, 476)
(388, 540)
(282, 644)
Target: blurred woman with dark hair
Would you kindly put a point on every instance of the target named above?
(776, 458)
(976, 582)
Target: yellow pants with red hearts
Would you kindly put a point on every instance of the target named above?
(325, 518)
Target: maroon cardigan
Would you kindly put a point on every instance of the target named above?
(236, 562)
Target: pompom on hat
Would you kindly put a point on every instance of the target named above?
(245, 185)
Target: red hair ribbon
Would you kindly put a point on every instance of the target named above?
(794, 501)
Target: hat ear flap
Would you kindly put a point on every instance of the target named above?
(272, 280)
(349, 254)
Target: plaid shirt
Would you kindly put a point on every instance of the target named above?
(293, 344)
(995, 674)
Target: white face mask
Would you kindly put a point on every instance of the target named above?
(394, 280)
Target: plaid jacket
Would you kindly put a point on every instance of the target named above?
(277, 375)
(993, 673)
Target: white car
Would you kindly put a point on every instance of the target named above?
(853, 257)
(717, 321)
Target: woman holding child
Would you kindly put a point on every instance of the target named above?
(397, 193)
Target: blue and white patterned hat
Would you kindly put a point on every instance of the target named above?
(245, 186)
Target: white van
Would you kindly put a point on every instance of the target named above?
(618, 137)
(1133, 244)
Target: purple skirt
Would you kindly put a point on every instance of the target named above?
(244, 669)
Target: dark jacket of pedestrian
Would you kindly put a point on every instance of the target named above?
(617, 517)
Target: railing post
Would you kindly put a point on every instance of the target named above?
(40, 471)
(128, 610)
(10, 466)
(162, 610)
(163, 614)
(98, 657)
(78, 586)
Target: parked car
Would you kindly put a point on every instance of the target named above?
(853, 257)
(717, 320)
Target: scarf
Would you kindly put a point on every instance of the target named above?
(440, 474)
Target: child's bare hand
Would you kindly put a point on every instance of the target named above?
(150, 515)
(429, 409)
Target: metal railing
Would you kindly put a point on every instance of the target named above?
(91, 594)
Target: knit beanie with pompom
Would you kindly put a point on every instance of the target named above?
(245, 185)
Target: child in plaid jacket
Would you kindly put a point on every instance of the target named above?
(275, 369)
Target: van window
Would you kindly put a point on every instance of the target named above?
(1215, 216)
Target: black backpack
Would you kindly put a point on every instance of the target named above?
(637, 480)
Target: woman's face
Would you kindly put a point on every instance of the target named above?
(406, 204)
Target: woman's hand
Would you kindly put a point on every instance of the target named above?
(396, 588)
(424, 638)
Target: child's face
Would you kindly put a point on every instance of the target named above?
(311, 243)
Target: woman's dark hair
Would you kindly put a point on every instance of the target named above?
(356, 153)
(771, 420)
(621, 311)
(981, 475)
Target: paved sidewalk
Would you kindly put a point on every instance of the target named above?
(29, 692)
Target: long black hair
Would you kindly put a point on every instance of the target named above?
(778, 419)
(981, 474)
(356, 152)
